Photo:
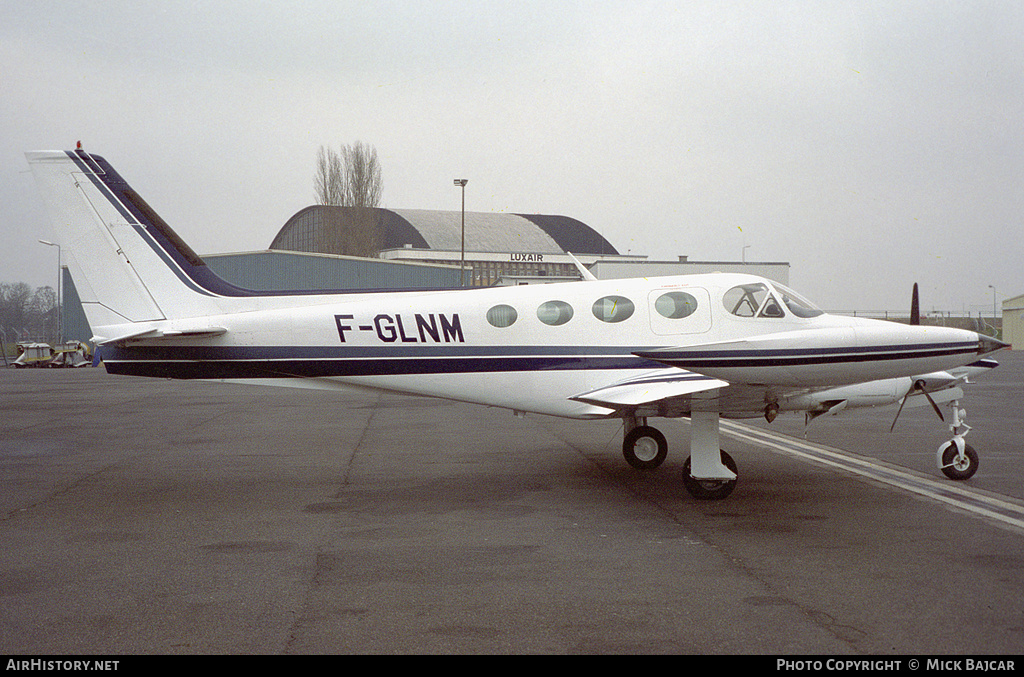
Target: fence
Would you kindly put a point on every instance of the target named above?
(981, 323)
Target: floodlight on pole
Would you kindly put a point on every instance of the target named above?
(993, 306)
(462, 261)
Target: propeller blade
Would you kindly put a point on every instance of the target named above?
(918, 385)
(915, 307)
(900, 410)
(934, 406)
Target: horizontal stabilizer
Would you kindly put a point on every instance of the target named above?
(159, 334)
(647, 388)
(205, 332)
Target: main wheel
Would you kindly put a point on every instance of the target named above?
(644, 447)
(957, 467)
(709, 490)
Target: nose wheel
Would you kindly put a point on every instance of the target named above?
(956, 459)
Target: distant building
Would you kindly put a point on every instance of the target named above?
(499, 248)
(303, 271)
(76, 327)
(1013, 321)
(613, 270)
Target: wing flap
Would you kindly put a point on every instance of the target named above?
(648, 388)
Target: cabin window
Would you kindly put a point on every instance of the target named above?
(613, 308)
(675, 305)
(679, 310)
(554, 313)
(502, 316)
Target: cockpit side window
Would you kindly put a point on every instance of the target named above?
(745, 300)
(752, 300)
(771, 308)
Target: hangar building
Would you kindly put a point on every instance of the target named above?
(499, 248)
(1013, 321)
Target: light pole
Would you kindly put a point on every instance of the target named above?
(60, 302)
(462, 261)
(993, 308)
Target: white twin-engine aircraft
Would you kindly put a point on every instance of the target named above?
(699, 346)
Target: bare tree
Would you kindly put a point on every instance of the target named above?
(27, 312)
(330, 177)
(349, 178)
(363, 182)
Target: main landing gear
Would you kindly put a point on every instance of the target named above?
(711, 490)
(956, 459)
(644, 447)
(709, 473)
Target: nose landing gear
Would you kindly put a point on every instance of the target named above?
(956, 459)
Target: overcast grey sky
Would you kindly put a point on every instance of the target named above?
(870, 144)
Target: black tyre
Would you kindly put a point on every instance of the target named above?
(644, 447)
(959, 468)
(710, 490)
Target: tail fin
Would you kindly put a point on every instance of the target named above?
(127, 264)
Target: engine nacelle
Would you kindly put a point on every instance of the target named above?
(832, 401)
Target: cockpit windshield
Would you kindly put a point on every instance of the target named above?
(797, 304)
(757, 300)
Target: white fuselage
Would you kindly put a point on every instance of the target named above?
(466, 345)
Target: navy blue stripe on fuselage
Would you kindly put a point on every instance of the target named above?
(788, 357)
(267, 362)
(313, 361)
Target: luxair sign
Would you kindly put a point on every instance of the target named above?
(523, 257)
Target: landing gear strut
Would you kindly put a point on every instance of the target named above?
(956, 459)
(708, 474)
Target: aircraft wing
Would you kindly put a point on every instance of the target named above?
(671, 392)
(649, 388)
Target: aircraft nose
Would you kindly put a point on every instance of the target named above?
(987, 344)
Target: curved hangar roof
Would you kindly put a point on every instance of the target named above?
(442, 230)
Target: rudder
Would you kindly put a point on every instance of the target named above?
(127, 264)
